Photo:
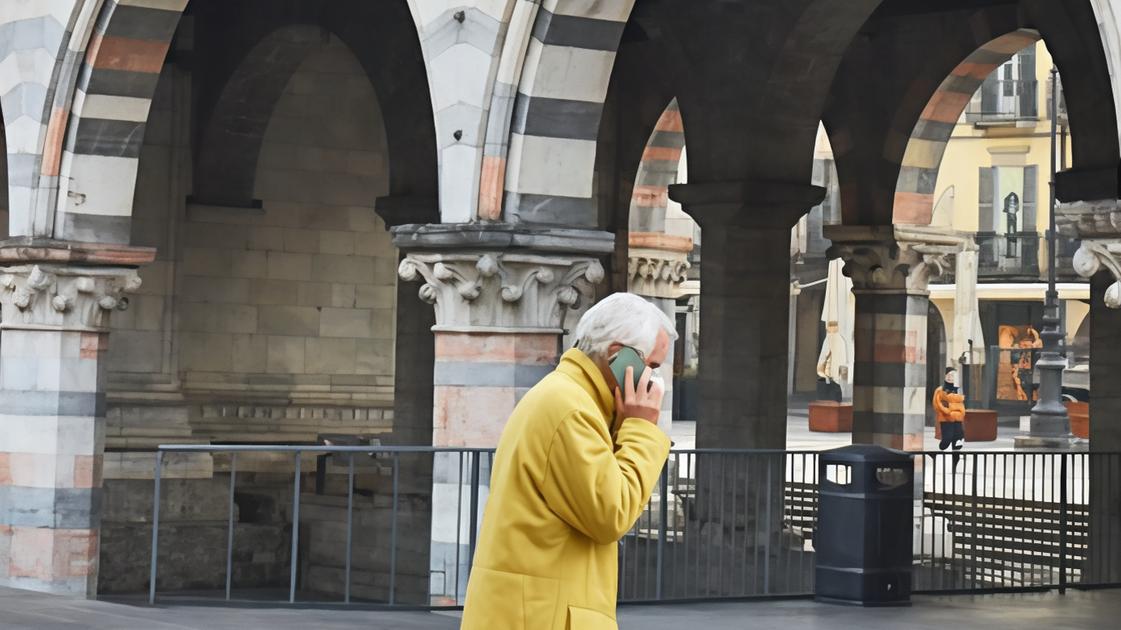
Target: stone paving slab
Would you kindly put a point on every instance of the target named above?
(1044, 611)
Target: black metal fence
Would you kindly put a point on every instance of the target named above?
(396, 526)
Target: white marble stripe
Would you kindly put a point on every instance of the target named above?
(111, 107)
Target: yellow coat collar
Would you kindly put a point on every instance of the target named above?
(581, 369)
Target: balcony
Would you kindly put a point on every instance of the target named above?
(1008, 256)
(1004, 102)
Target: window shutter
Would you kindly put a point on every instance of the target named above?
(985, 200)
(1031, 175)
(990, 94)
(1028, 92)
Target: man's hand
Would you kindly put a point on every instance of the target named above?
(639, 403)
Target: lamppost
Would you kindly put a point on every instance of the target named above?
(1050, 425)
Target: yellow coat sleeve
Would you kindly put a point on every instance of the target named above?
(596, 489)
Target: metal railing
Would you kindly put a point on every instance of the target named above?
(396, 526)
(1004, 101)
(1008, 255)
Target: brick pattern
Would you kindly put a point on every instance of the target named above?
(51, 467)
(889, 372)
(914, 192)
(108, 116)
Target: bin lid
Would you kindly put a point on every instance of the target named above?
(857, 453)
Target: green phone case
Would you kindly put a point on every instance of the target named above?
(627, 357)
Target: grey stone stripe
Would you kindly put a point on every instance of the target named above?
(132, 22)
(667, 139)
(111, 138)
(556, 118)
(61, 508)
(657, 177)
(32, 403)
(959, 84)
(916, 179)
(499, 119)
(551, 210)
(96, 228)
(933, 130)
(118, 82)
(488, 374)
(889, 375)
(40, 32)
(577, 32)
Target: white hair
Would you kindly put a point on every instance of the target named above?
(622, 318)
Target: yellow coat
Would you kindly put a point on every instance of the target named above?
(565, 487)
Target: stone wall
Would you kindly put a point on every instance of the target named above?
(269, 324)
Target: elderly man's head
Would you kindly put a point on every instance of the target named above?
(624, 319)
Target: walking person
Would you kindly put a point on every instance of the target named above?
(575, 467)
(949, 412)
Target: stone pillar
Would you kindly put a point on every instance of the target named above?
(745, 286)
(1099, 259)
(53, 338)
(501, 295)
(890, 277)
(656, 269)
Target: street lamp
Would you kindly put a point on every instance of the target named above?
(1050, 425)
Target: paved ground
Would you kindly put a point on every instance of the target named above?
(1049, 611)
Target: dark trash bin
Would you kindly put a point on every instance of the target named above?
(863, 538)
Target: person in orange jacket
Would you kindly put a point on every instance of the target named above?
(949, 410)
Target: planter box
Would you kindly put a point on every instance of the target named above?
(1079, 413)
(980, 426)
(827, 416)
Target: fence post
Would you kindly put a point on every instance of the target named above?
(295, 531)
(472, 526)
(155, 529)
(663, 516)
(1063, 524)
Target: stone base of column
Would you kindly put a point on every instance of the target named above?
(1053, 443)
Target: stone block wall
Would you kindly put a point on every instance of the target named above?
(269, 324)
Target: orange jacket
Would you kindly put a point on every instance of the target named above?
(948, 407)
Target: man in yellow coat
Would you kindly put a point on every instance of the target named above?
(575, 466)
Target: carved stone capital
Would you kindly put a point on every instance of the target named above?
(1096, 255)
(656, 273)
(496, 290)
(63, 297)
(1089, 219)
(893, 259)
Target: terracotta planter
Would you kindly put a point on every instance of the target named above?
(827, 416)
(980, 426)
(1079, 413)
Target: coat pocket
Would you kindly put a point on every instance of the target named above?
(588, 619)
(500, 599)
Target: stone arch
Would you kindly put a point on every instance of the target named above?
(269, 42)
(870, 154)
(5, 204)
(1109, 21)
(661, 159)
(226, 160)
(918, 173)
(115, 84)
(557, 110)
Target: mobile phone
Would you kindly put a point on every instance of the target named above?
(627, 357)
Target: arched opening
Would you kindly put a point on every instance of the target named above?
(276, 321)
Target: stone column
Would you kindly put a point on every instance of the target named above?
(656, 268)
(501, 296)
(53, 338)
(1099, 259)
(890, 277)
(745, 290)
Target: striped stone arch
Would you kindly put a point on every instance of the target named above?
(40, 44)
(114, 89)
(661, 159)
(918, 174)
(557, 110)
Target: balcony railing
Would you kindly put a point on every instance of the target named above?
(1008, 255)
(1004, 101)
